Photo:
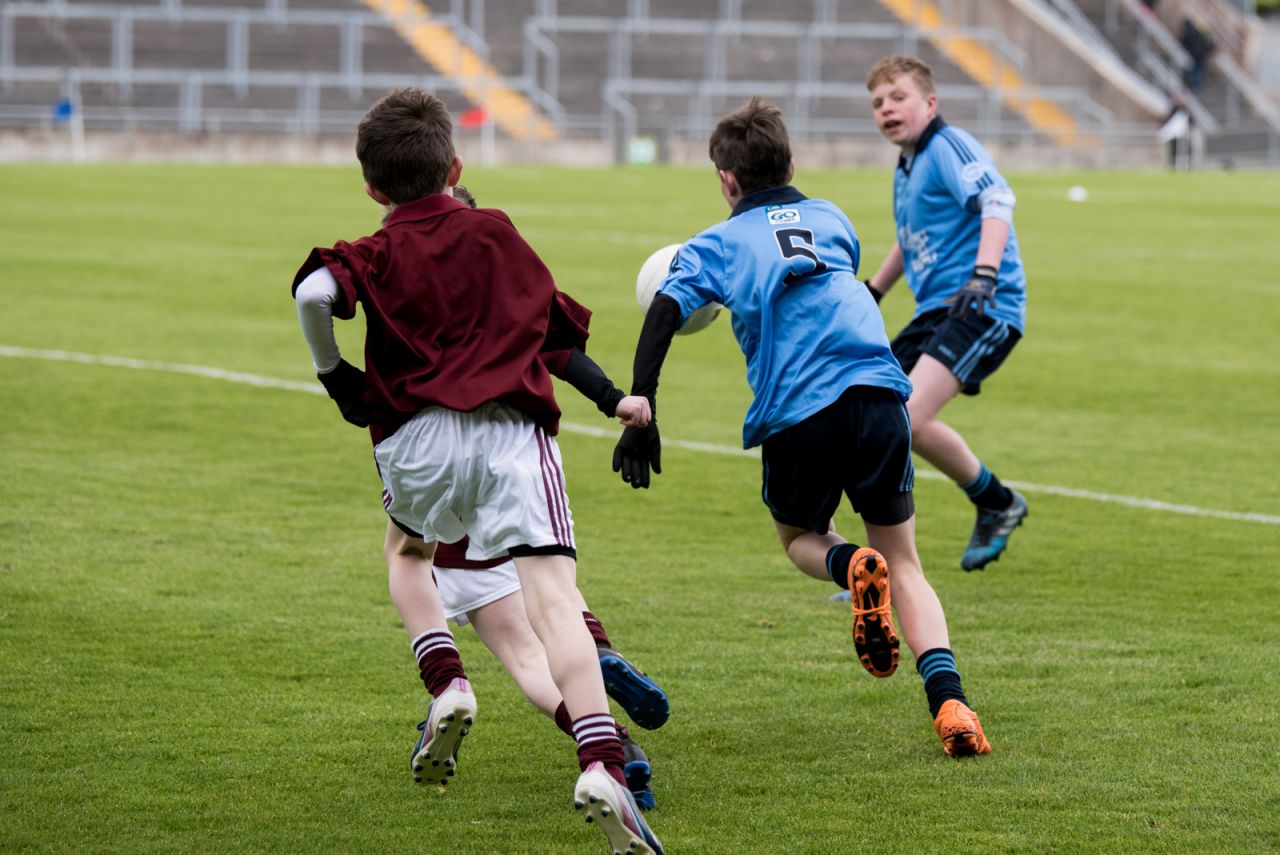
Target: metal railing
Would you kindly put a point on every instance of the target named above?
(543, 75)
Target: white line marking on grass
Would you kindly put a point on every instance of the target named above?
(315, 388)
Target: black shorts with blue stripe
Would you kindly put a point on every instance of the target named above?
(972, 347)
(859, 447)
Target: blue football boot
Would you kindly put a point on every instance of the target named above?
(991, 533)
(642, 699)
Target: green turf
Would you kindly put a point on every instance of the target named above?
(197, 652)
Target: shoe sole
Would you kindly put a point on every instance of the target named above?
(638, 774)
(966, 744)
(595, 806)
(642, 699)
(996, 557)
(874, 638)
(434, 764)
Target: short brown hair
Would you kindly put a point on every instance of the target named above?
(405, 145)
(752, 143)
(463, 195)
(893, 66)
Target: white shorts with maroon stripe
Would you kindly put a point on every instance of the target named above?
(491, 474)
(465, 589)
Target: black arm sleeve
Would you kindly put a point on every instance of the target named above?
(660, 326)
(582, 373)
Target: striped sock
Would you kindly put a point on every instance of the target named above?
(596, 628)
(597, 736)
(438, 659)
(838, 558)
(563, 721)
(941, 679)
(986, 491)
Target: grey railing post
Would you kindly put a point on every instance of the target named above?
(308, 106)
(189, 107)
(352, 55)
(6, 47)
(238, 54)
(122, 53)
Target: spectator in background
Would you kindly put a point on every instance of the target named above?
(1176, 132)
(1199, 44)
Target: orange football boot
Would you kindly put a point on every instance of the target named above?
(874, 639)
(960, 731)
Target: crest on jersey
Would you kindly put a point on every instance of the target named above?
(779, 216)
(973, 171)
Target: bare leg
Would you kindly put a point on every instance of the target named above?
(808, 549)
(924, 626)
(413, 590)
(933, 385)
(553, 604)
(504, 628)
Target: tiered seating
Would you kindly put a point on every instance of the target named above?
(312, 65)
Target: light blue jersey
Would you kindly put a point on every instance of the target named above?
(785, 266)
(938, 194)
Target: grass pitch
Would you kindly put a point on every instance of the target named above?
(197, 651)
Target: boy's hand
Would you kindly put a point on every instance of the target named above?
(978, 293)
(345, 384)
(634, 411)
(637, 451)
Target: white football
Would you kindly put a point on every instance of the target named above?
(653, 272)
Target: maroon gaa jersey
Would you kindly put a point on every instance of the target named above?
(458, 310)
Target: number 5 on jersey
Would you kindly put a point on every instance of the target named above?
(798, 243)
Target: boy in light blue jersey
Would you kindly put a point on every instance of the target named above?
(829, 400)
(958, 249)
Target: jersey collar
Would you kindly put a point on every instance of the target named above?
(424, 208)
(785, 195)
(905, 161)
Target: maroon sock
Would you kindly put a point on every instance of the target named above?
(596, 628)
(563, 721)
(598, 740)
(438, 660)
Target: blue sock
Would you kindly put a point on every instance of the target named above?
(986, 491)
(941, 679)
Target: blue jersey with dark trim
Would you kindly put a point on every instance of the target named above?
(938, 209)
(785, 266)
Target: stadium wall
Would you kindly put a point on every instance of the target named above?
(61, 146)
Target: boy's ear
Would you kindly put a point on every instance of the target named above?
(376, 195)
(791, 171)
(729, 186)
(455, 171)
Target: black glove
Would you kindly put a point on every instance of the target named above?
(979, 293)
(637, 451)
(345, 384)
(876, 295)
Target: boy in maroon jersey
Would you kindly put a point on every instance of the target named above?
(486, 594)
(458, 399)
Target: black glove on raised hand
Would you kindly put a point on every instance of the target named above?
(345, 384)
(637, 451)
(876, 295)
(977, 294)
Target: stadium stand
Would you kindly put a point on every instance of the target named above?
(1074, 82)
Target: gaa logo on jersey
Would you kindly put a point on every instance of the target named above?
(782, 216)
(973, 171)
